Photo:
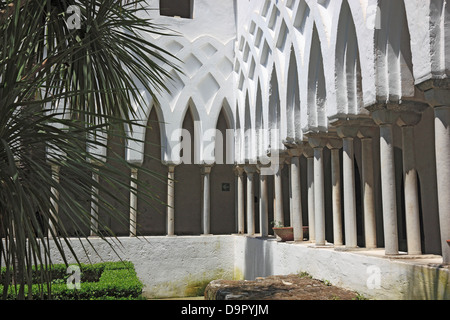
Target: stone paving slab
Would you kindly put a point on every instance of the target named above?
(286, 287)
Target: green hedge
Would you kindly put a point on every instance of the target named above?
(108, 281)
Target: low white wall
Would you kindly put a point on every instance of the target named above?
(183, 265)
(368, 272)
(167, 266)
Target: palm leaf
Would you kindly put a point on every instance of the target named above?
(61, 92)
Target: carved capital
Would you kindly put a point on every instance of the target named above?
(239, 170)
(308, 151)
(250, 169)
(367, 132)
(407, 119)
(436, 92)
(296, 152)
(347, 131)
(205, 169)
(317, 140)
(384, 117)
(334, 143)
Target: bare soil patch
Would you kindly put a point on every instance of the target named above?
(288, 287)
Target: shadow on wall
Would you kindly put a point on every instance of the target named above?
(258, 259)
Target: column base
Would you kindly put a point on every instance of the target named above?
(322, 246)
(344, 248)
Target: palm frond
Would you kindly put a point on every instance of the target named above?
(62, 91)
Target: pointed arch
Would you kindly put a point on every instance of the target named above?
(348, 67)
(191, 122)
(222, 182)
(151, 216)
(274, 111)
(317, 96)
(259, 122)
(238, 137)
(249, 131)
(293, 99)
(394, 69)
(188, 178)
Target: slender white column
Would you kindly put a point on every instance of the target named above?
(437, 94)
(388, 186)
(442, 141)
(278, 203)
(309, 154)
(336, 196)
(318, 143)
(240, 200)
(94, 206)
(263, 206)
(319, 196)
(171, 200)
(133, 202)
(54, 210)
(385, 119)
(250, 171)
(349, 194)
(368, 193)
(206, 203)
(297, 222)
(412, 213)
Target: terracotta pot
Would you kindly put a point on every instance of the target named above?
(285, 233)
(448, 242)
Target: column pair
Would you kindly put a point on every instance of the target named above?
(296, 199)
(406, 119)
(363, 129)
(437, 95)
(249, 214)
(170, 211)
(206, 200)
(318, 142)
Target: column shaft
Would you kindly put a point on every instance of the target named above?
(311, 211)
(411, 192)
(442, 141)
(336, 195)
(250, 204)
(133, 202)
(388, 189)
(241, 202)
(94, 205)
(349, 194)
(297, 222)
(279, 213)
(368, 194)
(54, 211)
(263, 207)
(319, 196)
(171, 200)
(206, 201)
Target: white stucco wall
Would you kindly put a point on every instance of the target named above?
(178, 266)
(167, 266)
